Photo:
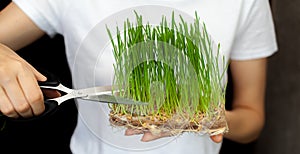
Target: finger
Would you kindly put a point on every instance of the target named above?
(17, 98)
(37, 74)
(217, 138)
(5, 105)
(148, 136)
(32, 92)
(130, 132)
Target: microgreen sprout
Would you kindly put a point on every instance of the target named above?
(173, 66)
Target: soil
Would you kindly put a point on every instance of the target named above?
(210, 124)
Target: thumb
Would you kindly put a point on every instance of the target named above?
(39, 76)
(217, 138)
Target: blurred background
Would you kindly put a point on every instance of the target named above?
(281, 132)
(282, 100)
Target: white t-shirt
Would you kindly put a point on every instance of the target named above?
(244, 29)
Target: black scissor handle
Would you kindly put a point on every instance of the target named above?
(50, 108)
(52, 80)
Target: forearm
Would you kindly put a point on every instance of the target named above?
(246, 119)
(16, 29)
(245, 124)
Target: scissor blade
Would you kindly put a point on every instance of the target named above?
(104, 94)
(113, 99)
(95, 90)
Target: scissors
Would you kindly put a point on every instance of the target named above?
(101, 94)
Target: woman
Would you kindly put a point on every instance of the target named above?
(244, 29)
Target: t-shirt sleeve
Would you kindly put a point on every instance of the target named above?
(46, 14)
(255, 35)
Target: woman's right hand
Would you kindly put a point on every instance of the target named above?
(20, 94)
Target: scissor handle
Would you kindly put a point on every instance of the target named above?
(50, 108)
(52, 80)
